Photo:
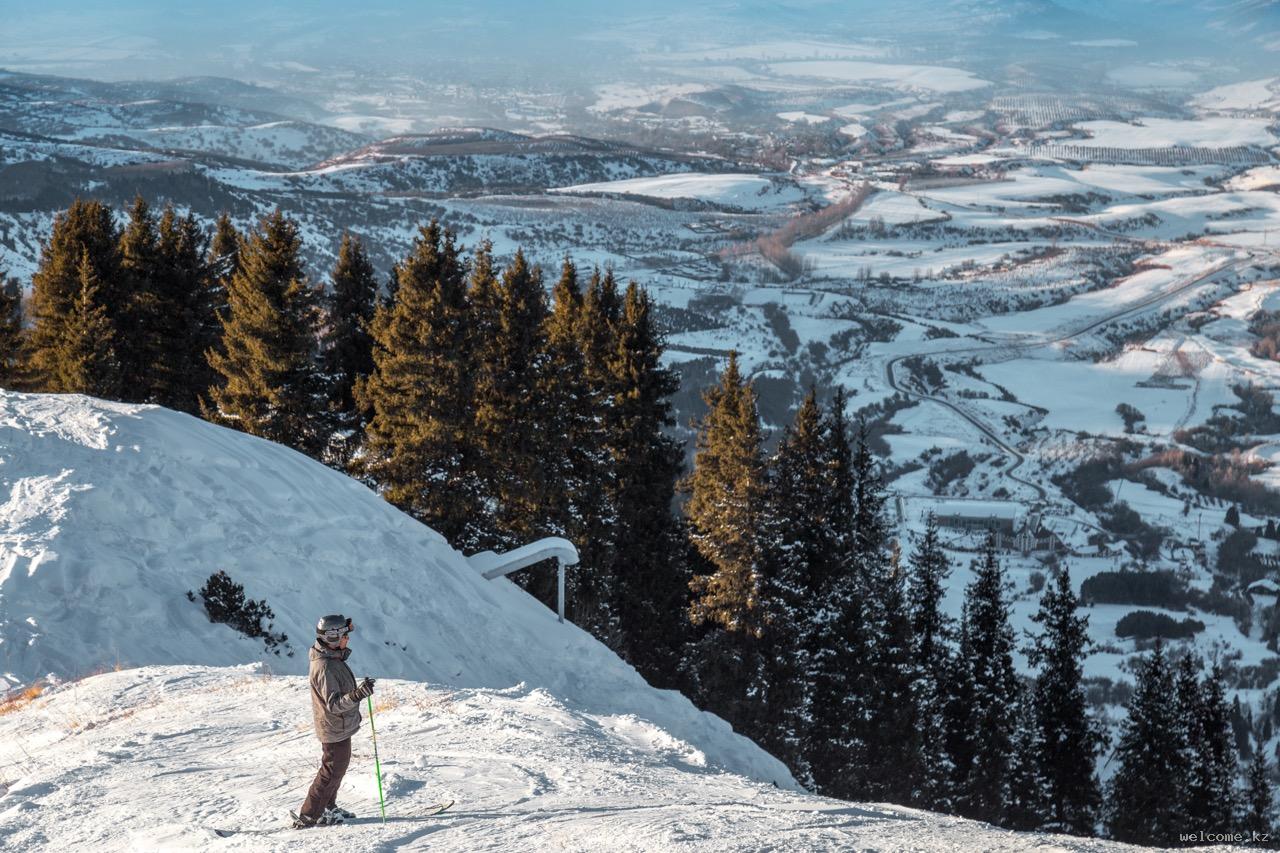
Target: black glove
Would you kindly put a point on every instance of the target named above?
(363, 690)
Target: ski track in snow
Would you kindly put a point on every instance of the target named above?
(158, 758)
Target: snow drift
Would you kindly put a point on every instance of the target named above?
(114, 512)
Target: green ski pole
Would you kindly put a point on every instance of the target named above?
(377, 765)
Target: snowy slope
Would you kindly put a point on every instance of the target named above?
(157, 758)
(114, 512)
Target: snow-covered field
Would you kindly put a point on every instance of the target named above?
(1219, 132)
(929, 78)
(752, 192)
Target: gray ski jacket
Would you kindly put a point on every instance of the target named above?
(336, 716)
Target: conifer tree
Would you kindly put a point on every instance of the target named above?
(649, 588)
(268, 362)
(87, 228)
(1145, 798)
(1189, 701)
(893, 764)
(510, 433)
(800, 542)
(839, 639)
(13, 350)
(598, 321)
(886, 729)
(987, 645)
(418, 447)
(1066, 742)
(726, 491)
(933, 633)
(1212, 765)
(224, 249)
(347, 346)
(1258, 797)
(197, 301)
(1028, 803)
(140, 308)
(484, 321)
(86, 361)
(577, 468)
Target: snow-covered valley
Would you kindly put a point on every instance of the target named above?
(1031, 244)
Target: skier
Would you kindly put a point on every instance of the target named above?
(335, 705)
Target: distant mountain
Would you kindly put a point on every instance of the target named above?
(210, 116)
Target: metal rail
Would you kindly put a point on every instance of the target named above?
(493, 565)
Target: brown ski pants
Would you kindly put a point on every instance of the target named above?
(324, 790)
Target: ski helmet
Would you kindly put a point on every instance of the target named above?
(333, 628)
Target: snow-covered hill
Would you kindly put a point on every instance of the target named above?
(113, 512)
(158, 758)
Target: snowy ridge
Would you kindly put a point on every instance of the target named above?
(113, 512)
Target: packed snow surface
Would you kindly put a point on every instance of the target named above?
(159, 758)
(113, 512)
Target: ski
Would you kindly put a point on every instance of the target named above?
(431, 812)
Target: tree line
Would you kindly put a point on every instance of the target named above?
(768, 586)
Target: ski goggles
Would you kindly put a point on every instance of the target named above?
(333, 635)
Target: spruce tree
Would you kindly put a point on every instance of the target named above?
(510, 429)
(933, 634)
(1189, 700)
(141, 308)
(86, 229)
(224, 249)
(799, 541)
(197, 305)
(86, 361)
(1067, 741)
(597, 325)
(578, 466)
(1145, 797)
(886, 730)
(893, 758)
(347, 346)
(726, 491)
(418, 448)
(1213, 765)
(484, 322)
(649, 588)
(576, 461)
(839, 640)
(13, 349)
(1258, 797)
(1028, 804)
(987, 647)
(268, 361)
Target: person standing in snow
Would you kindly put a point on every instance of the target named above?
(335, 706)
